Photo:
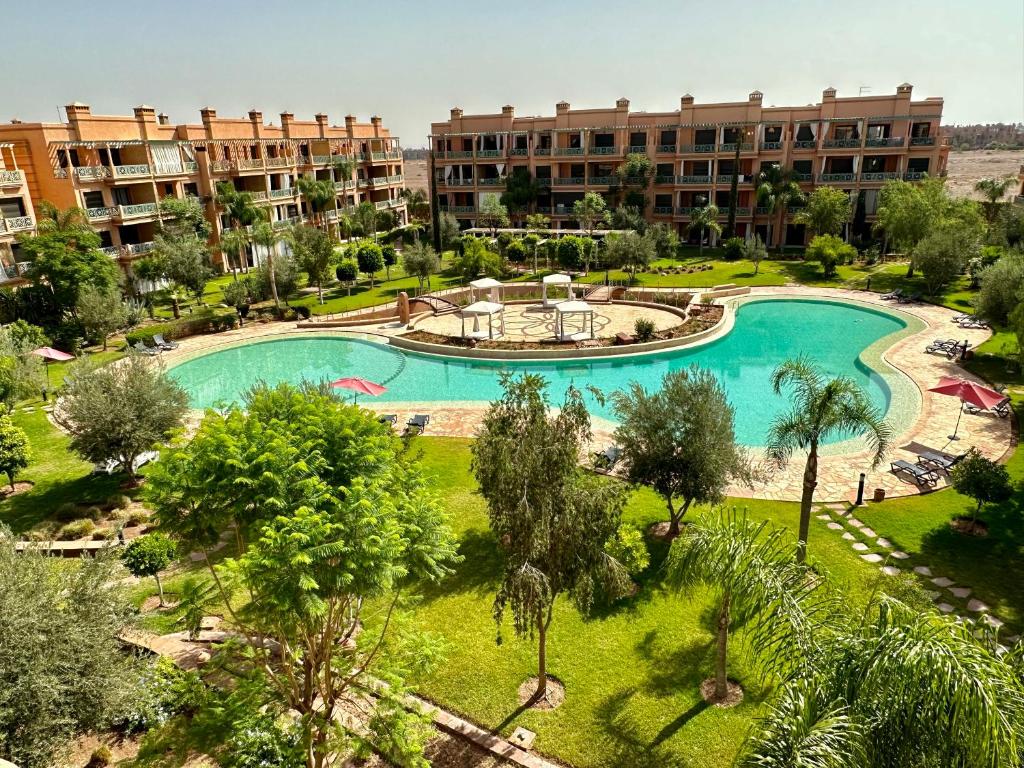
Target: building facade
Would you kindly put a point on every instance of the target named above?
(119, 168)
(855, 144)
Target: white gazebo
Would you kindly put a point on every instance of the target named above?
(496, 288)
(476, 311)
(556, 279)
(564, 308)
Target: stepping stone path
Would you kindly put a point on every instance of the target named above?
(872, 558)
(868, 532)
(923, 570)
(976, 606)
(942, 581)
(885, 543)
(890, 570)
(961, 592)
(900, 555)
(849, 536)
(855, 522)
(992, 621)
(835, 526)
(860, 547)
(824, 517)
(945, 607)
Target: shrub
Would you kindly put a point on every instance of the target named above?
(136, 517)
(732, 249)
(119, 501)
(830, 250)
(303, 312)
(93, 513)
(77, 529)
(103, 534)
(67, 511)
(643, 329)
(629, 548)
(1001, 287)
(201, 322)
(100, 757)
(570, 252)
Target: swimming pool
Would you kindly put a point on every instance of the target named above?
(766, 332)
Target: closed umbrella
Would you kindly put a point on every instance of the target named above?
(48, 354)
(359, 386)
(968, 392)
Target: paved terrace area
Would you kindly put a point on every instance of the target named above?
(837, 474)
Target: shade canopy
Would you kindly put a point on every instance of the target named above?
(968, 391)
(557, 278)
(485, 282)
(49, 353)
(483, 308)
(359, 386)
(573, 307)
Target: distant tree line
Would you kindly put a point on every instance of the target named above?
(986, 136)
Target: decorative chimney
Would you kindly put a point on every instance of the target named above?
(904, 89)
(77, 111)
(322, 124)
(508, 111)
(686, 100)
(829, 94)
(376, 122)
(208, 114)
(622, 103)
(456, 113)
(562, 108)
(145, 112)
(163, 119)
(755, 97)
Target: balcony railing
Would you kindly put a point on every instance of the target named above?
(92, 172)
(543, 209)
(799, 176)
(638, 150)
(321, 159)
(693, 179)
(890, 141)
(135, 249)
(730, 146)
(566, 181)
(519, 151)
(98, 214)
(922, 141)
(686, 210)
(834, 177)
(395, 179)
(259, 197)
(190, 166)
(770, 146)
(604, 150)
(495, 181)
(543, 181)
(743, 210)
(129, 171)
(459, 182)
(139, 209)
(805, 144)
(664, 179)
(112, 251)
(394, 154)
(663, 210)
(249, 163)
(841, 143)
(569, 151)
(762, 210)
(697, 148)
(221, 166)
(19, 223)
(489, 153)
(10, 177)
(460, 155)
(914, 175)
(286, 222)
(542, 151)
(278, 162)
(277, 194)
(666, 149)
(459, 208)
(599, 180)
(878, 176)
(341, 186)
(379, 181)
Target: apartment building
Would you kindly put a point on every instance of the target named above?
(118, 169)
(854, 143)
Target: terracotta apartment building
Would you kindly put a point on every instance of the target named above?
(854, 143)
(118, 168)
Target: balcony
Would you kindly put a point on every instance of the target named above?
(341, 186)
(573, 151)
(19, 223)
(395, 179)
(111, 250)
(459, 182)
(11, 178)
(665, 149)
(221, 166)
(771, 146)
(802, 144)
(922, 141)
(277, 194)
(92, 172)
(394, 154)
(278, 162)
(697, 148)
(137, 249)
(604, 150)
(100, 214)
(686, 210)
(519, 151)
(664, 179)
(259, 197)
(544, 209)
(762, 210)
(131, 171)
(638, 150)
(496, 181)
(567, 181)
(249, 164)
(136, 211)
(190, 166)
(876, 176)
(726, 178)
(379, 181)
(841, 144)
(798, 176)
(891, 141)
(730, 146)
(489, 153)
(543, 181)
(286, 222)
(459, 155)
(832, 178)
(321, 159)
(459, 208)
(914, 175)
(545, 151)
(743, 210)
(693, 179)
(602, 180)
(663, 210)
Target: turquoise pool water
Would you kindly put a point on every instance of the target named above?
(766, 332)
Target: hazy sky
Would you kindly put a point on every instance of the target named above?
(410, 61)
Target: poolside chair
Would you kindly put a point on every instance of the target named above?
(388, 418)
(104, 467)
(973, 322)
(158, 339)
(608, 458)
(138, 346)
(940, 461)
(418, 422)
(892, 294)
(942, 345)
(961, 316)
(913, 299)
(920, 475)
(143, 459)
(1001, 409)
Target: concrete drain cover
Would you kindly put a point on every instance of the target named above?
(522, 738)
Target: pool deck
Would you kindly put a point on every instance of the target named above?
(837, 474)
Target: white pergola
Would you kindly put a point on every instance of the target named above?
(476, 311)
(496, 288)
(573, 308)
(556, 279)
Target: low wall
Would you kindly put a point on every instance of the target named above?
(721, 293)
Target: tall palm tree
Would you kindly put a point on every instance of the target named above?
(342, 168)
(994, 190)
(902, 687)
(417, 203)
(822, 408)
(705, 219)
(752, 567)
(52, 220)
(233, 241)
(776, 191)
(263, 234)
(318, 194)
(241, 211)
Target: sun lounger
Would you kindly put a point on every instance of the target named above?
(920, 475)
(940, 461)
(141, 348)
(960, 317)
(158, 339)
(104, 467)
(941, 344)
(892, 294)
(143, 459)
(388, 418)
(418, 422)
(608, 458)
(1001, 409)
(914, 299)
(973, 322)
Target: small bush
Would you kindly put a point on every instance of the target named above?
(643, 329)
(100, 757)
(136, 517)
(104, 534)
(93, 513)
(77, 529)
(629, 548)
(303, 312)
(67, 512)
(732, 249)
(119, 501)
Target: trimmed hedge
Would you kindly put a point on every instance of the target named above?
(217, 320)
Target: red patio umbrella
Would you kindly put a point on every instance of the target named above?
(48, 354)
(359, 386)
(968, 392)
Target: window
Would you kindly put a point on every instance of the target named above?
(773, 133)
(732, 135)
(918, 165)
(870, 201)
(668, 138)
(874, 164)
(521, 141)
(704, 136)
(575, 141)
(804, 133)
(921, 130)
(192, 189)
(106, 241)
(254, 152)
(604, 139)
(766, 164)
(543, 171)
(845, 133)
(467, 145)
(664, 169)
(638, 139)
(121, 196)
(168, 190)
(93, 199)
(878, 130)
(544, 141)
(802, 166)
(11, 207)
(663, 201)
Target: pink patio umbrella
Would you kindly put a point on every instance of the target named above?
(48, 354)
(968, 392)
(359, 386)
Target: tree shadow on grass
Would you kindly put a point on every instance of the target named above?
(25, 510)
(479, 572)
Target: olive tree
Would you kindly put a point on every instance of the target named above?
(101, 311)
(420, 259)
(147, 556)
(15, 453)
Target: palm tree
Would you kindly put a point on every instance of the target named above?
(242, 211)
(993, 190)
(318, 194)
(233, 241)
(902, 687)
(342, 168)
(705, 219)
(263, 234)
(417, 203)
(776, 191)
(822, 408)
(752, 567)
(52, 220)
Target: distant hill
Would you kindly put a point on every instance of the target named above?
(989, 136)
